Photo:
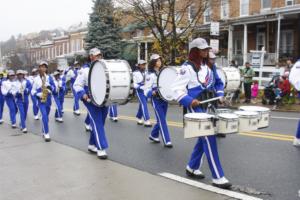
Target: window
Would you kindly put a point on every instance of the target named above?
(289, 2)
(287, 42)
(244, 7)
(266, 4)
(192, 12)
(207, 14)
(260, 40)
(224, 9)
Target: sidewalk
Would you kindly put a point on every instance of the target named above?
(31, 169)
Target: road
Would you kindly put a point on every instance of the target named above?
(262, 163)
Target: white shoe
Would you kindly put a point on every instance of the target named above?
(92, 149)
(36, 117)
(222, 183)
(24, 130)
(14, 126)
(47, 137)
(140, 122)
(147, 123)
(87, 127)
(194, 173)
(59, 119)
(296, 142)
(102, 154)
(1, 121)
(77, 112)
(115, 119)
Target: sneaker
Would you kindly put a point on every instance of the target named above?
(169, 145)
(155, 140)
(147, 123)
(59, 119)
(102, 154)
(140, 122)
(24, 130)
(114, 119)
(36, 117)
(1, 121)
(92, 149)
(296, 142)
(77, 112)
(47, 137)
(221, 183)
(197, 174)
(14, 126)
(87, 127)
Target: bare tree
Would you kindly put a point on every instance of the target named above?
(170, 21)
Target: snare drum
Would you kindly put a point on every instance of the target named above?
(164, 82)
(248, 121)
(223, 110)
(230, 77)
(110, 82)
(264, 114)
(228, 123)
(198, 125)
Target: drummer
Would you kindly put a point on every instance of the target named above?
(212, 93)
(159, 105)
(138, 84)
(97, 115)
(194, 79)
(72, 75)
(295, 80)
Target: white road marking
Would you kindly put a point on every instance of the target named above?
(210, 188)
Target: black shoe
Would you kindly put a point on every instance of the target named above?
(148, 126)
(226, 186)
(192, 175)
(154, 140)
(221, 135)
(47, 139)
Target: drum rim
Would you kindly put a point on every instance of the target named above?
(197, 119)
(263, 111)
(252, 115)
(160, 94)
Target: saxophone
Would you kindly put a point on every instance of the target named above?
(45, 91)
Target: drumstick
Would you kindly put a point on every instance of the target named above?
(210, 100)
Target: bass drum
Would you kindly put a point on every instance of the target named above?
(164, 82)
(110, 82)
(231, 78)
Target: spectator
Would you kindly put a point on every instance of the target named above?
(284, 85)
(233, 64)
(254, 91)
(289, 65)
(248, 74)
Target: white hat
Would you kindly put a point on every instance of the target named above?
(34, 70)
(56, 73)
(199, 43)
(19, 71)
(212, 55)
(25, 72)
(43, 63)
(154, 57)
(141, 62)
(11, 73)
(76, 62)
(95, 52)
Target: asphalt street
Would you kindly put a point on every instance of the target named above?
(262, 163)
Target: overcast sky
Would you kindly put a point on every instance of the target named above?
(26, 16)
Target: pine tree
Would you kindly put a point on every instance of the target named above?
(104, 30)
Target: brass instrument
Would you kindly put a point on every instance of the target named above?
(45, 91)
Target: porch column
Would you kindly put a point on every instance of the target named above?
(230, 43)
(278, 39)
(139, 52)
(146, 51)
(245, 52)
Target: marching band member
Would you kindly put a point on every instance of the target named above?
(63, 89)
(43, 87)
(23, 88)
(72, 75)
(113, 113)
(138, 84)
(159, 105)
(98, 143)
(194, 79)
(58, 89)
(35, 107)
(295, 81)
(1, 98)
(9, 91)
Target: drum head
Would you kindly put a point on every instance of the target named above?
(254, 108)
(246, 113)
(164, 82)
(97, 83)
(198, 116)
(228, 116)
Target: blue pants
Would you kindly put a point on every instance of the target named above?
(1, 106)
(35, 107)
(207, 145)
(58, 111)
(10, 101)
(298, 131)
(61, 97)
(143, 108)
(22, 111)
(87, 120)
(97, 117)
(76, 100)
(45, 110)
(160, 108)
(113, 112)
